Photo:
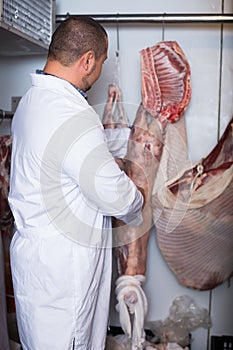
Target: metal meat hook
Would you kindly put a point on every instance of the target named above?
(163, 25)
(117, 72)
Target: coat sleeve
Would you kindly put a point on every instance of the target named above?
(93, 169)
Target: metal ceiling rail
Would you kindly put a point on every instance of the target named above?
(156, 18)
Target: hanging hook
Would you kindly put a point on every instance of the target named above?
(117, 72)
(163, 25)
(118, 41)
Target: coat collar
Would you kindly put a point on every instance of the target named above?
(54, 81)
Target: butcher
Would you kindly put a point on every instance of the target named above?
(64, 188)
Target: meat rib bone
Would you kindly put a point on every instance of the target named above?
(166, 85)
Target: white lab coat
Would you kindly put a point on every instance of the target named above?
(64, 187)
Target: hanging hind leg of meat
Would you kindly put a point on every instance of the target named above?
(141, 162)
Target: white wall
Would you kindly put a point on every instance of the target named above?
(201, 45)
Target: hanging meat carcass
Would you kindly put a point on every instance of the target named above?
(6, 217)
(166, 92)
(193, 215)
(141, 162)
(6, 223)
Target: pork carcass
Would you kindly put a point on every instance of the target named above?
(193, 216)
(166, 91)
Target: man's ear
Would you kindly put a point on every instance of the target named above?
(88, 61)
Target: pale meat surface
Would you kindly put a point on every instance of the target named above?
(141, 162)
(194, 219)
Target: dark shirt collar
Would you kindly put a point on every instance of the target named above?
(39, 71)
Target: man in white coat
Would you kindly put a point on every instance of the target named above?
(64, 188)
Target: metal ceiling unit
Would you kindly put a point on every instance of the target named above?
(26, 26)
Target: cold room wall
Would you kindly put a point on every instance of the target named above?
(208, 113)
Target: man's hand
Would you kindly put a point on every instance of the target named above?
(121, 163)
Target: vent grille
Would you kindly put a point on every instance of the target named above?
(31, 17)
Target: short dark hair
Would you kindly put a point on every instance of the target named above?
(74, 37)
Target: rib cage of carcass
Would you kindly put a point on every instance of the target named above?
(166, 91)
